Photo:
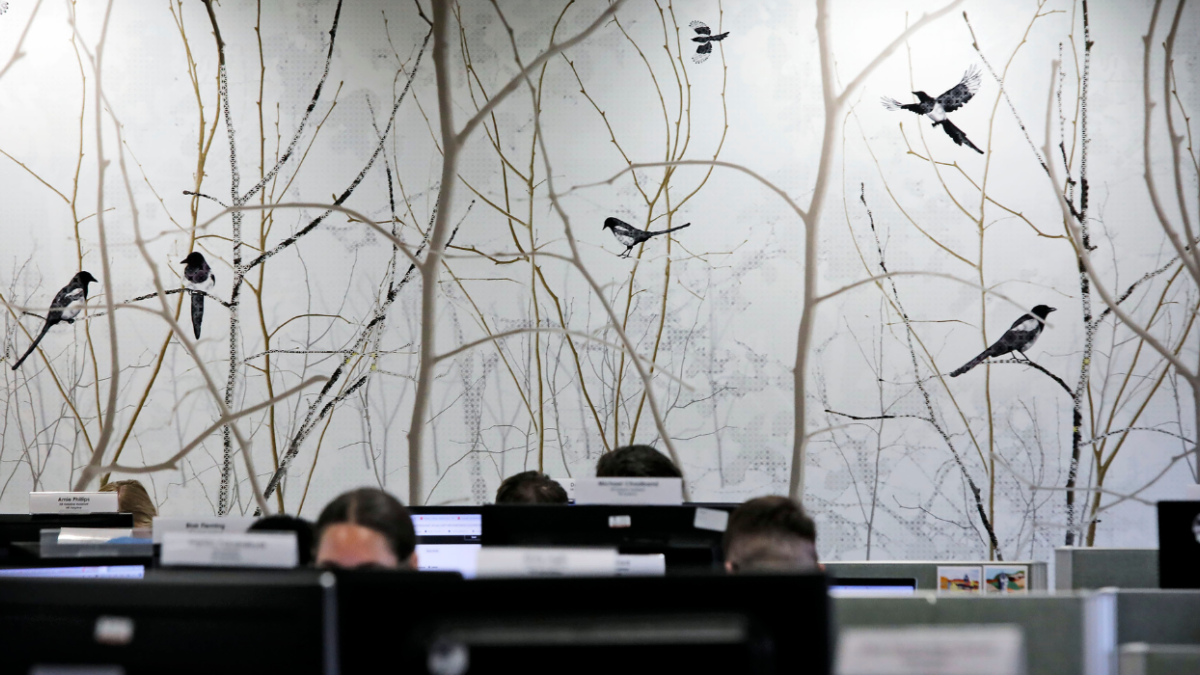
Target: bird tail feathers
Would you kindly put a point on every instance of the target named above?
(655, 234)
(971, 364)
(36, 340)
(957, 135)
(197, 313)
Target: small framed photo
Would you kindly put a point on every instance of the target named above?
(959, 579)
(1006, 579)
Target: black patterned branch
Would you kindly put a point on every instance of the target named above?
(1037, 366)
(312, 418)
(173, 291)
(201, 194)
(357, 180)
(932, 419)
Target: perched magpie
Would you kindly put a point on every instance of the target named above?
(197, 276)
(630, 236)
(936, 108)
(1019, 338)
(705, 37)
(65, 307)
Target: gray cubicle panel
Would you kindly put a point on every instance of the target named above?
(1163, 617)
(1140, 658)
(1091, 568)
(925, 571)
(1065, 633)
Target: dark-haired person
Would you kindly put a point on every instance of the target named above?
(530, 487)
(770, 534)
(366, 527)
(285, 523)
(636, 461)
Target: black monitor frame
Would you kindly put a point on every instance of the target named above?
(786, 618)
(669, 530)
(1178, 544)
(182, 622)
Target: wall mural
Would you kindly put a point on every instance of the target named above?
(428, 245)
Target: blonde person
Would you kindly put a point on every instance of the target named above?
(133, 498)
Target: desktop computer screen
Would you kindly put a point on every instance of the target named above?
(871, 587)
(97, 572)
(448, 541)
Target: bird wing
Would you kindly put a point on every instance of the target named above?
(702, 53)
(1025, 324)
(700, 27)
(962, 92)
(890, 103)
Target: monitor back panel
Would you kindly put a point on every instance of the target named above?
(1179, 544)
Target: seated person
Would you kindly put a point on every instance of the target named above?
(636, 461)
(366, 527)
(285, 523)
(530, 487)
(133, 498)
(770, 534)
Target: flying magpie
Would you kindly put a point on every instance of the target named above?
(705, 37)
(936, 108)
(66, 305)
(630, 236)
(197, 276)
(1019, 338)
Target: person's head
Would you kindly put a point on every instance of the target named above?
(286, 523)
(530, 487)
(636, 461)
(770, 534)
(366, 527)
(132, 498)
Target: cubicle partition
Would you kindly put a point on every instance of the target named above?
(1140, 658)
(1077, 568)
(1065, 633)
(926, 571)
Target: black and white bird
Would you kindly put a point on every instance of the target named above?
(1017, 339)
(937, 108)
(67, 305)
(630, 236)
(706, 39)
(197, 276)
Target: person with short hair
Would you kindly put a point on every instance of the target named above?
(282, 522)
(770, 534)
(530, 487)
(636, 461)
(133, 498)
(364, 528)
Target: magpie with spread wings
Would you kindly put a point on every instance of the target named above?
(67, 305)
(706, 39)
(937, 108)
(1016, 340)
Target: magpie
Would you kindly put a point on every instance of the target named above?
(705, 37)
(1019, 338)
(630, 236)
(936, 108)
(66, 305)
(197, 276)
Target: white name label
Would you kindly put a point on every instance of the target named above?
(72, 502)
(254, 549)
(710, 519)
(644, 491)
(649, 565)
(201, 526)
(932, 650)
(503, 561)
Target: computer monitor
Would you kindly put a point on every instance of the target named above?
(448, 538)
(86, 572)
(633, 626)
(1178, 544)
(670, 530)
(25, 527)
(178, 622)
(859, 587)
